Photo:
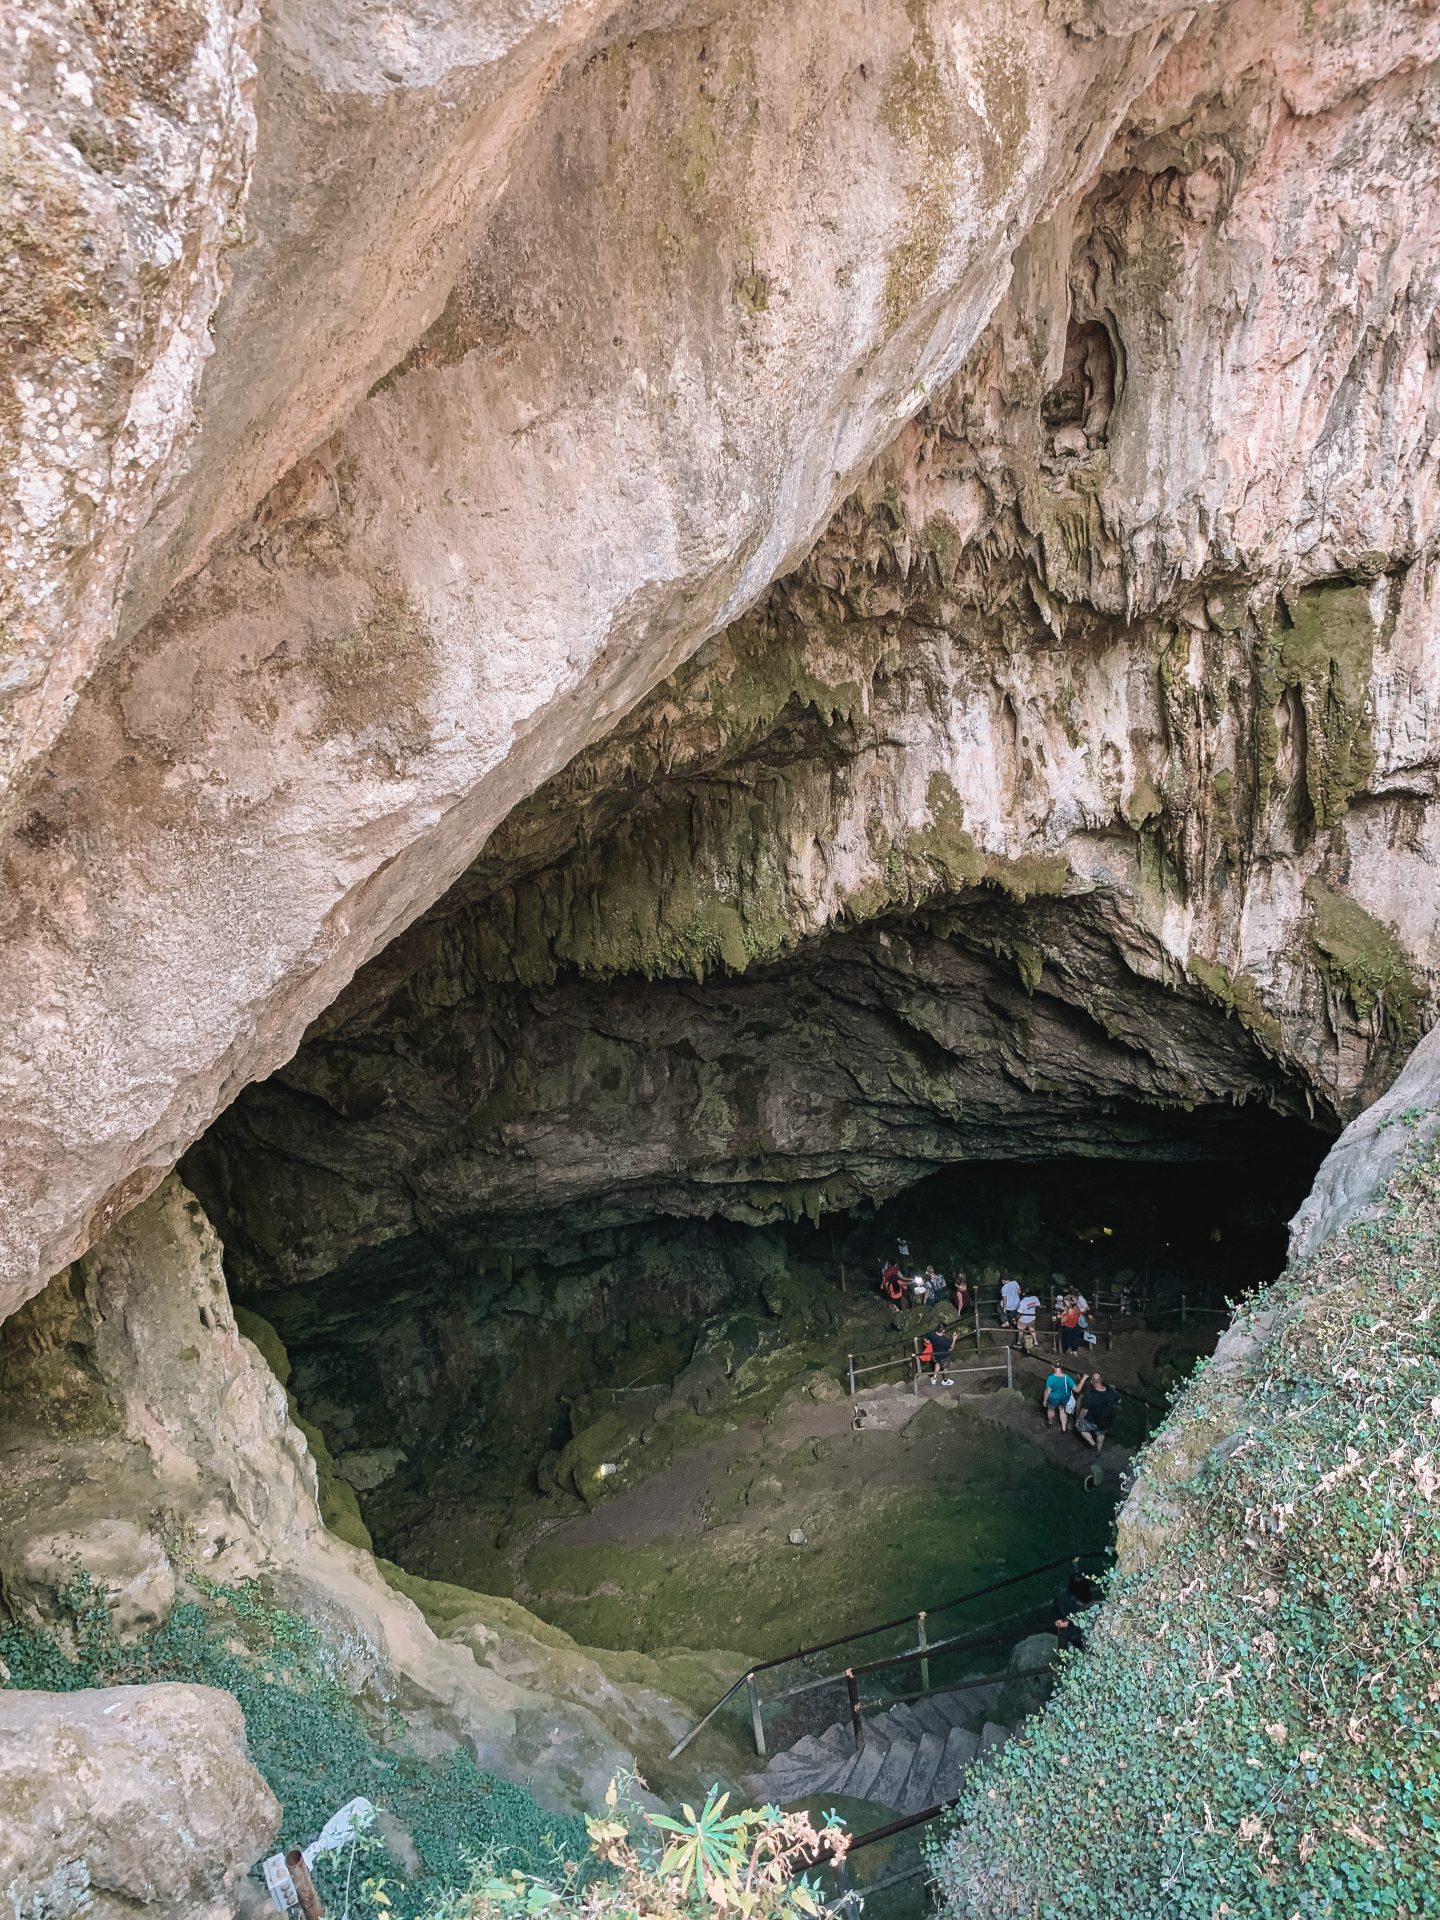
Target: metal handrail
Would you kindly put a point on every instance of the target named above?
(747, 1679)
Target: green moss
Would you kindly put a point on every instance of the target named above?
(1030, 963)
(970, 1502)
(692, 1677)
(1238, 994)
(769, 665)
(962, 863)
(339, 1508)
(1144, 803)
(259, 1332)
(1321, 646)
(1363, 960)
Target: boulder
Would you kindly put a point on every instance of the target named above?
(118, 1800)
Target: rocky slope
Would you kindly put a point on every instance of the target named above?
(145, 1441)
(629, 297)
(1251, 1727)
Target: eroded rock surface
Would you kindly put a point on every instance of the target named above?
(144, 1441)
(688, 292)
(117, 1801)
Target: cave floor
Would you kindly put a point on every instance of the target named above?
(937, 1494)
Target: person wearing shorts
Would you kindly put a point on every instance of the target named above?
(1058, 1399)
(1025, 1323)
(1097, 1406)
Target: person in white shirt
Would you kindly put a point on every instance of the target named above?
(1010, 1302)
(1025, 1321)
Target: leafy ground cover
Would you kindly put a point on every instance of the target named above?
(313, 1743)
(1255, 1728)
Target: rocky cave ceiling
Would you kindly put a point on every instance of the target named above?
(1085, 772)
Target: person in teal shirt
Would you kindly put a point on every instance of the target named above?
(1059, 1399)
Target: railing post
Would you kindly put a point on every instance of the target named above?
(310, 1903)
(977, 1326)
(1010, 1368)
(851, 1359)
(856, 1718)
(757, 1722)
(1182, 1309)
(922, 1641)
(915, 1362)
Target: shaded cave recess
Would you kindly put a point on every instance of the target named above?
(644, 1433)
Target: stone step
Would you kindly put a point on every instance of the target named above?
(857, 1782)
(993, 1736)
(919, 1788)
(781, 1779)
(932, 1715)
(960, 1749)
(902, 1719)
(893, 1774)
(839, 1740)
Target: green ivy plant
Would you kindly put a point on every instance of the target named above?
(311, 1740)
(1254, 1731)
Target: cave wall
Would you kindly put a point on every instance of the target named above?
(608, 250)
(636, 297)
(146, 1440)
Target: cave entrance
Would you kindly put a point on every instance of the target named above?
(643, 1433)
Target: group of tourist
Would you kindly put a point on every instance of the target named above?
(1018, 1309)
(1088, 1402)
(918, 1289)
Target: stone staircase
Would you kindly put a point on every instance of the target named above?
(915, 1755)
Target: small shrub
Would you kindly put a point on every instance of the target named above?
(750, 1864)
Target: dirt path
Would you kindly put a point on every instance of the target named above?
(672, 1504)
(678, 1502)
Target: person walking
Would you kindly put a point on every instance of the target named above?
(1097, 1405)
(1072, 1333)
(1009, 1302)
(1058, 1398)
(1025, 1314)
(935, 1351)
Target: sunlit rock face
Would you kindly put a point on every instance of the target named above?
(1056, 803)
(548, 350)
